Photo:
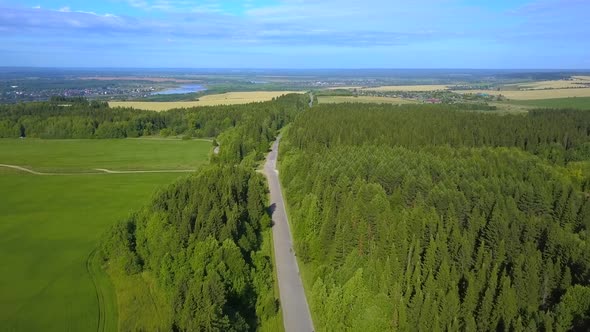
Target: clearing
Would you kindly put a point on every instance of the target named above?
(50, 225)
(230, 98)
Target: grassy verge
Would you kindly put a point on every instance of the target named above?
(274, 324)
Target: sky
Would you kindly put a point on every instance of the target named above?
(523, 34)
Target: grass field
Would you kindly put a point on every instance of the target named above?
(576, 102)
(362, 99)
(230, 98)
(49, 225)
(573, 82)
(117, 154)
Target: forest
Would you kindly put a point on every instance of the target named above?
(202, 239)
(433, 218)
(409, 217)
(79, 118)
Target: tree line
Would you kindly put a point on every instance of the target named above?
(559, 135)
(430, 218)
(79, 118)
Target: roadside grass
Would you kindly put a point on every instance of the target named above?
(117, 154)
(305, 270)
(50, 225)
(363, 99)
(275, 323)
(230, 98)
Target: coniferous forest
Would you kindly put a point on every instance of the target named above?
(430, 218)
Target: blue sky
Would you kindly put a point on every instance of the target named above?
(296, 33)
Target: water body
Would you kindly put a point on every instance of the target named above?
(189, 88)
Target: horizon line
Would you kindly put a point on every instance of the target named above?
(292, 68)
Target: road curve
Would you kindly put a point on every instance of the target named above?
(296, 314)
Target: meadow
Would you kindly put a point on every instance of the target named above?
(80, 155)
(363, 99)
(50, 225)
(572, 102)
(230, 98)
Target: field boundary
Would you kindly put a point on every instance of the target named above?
(97, 171)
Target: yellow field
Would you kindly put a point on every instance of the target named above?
(230, 98)
(535, 94)
(575, 82)
(363, 99)
(432, 87)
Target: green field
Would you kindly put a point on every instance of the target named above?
(77, 155)
(50, 225)
(572, 102)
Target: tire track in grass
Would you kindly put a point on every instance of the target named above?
(97, 171)
(99, 294)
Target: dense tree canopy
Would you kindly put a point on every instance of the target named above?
(427, 218)
(417, 217)
(78, 118)
(560, 135)
(201, 239)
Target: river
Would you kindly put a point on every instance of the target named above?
(188, 88)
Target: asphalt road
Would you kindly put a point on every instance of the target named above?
(296, 315)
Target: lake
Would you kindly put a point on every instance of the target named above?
(189, 88)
